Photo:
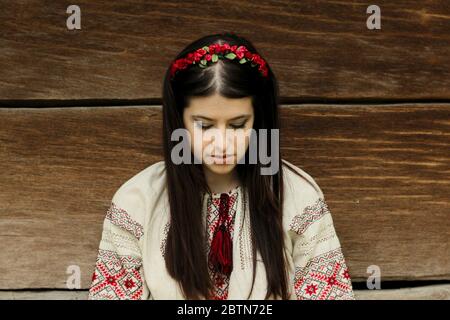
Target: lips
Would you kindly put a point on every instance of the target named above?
(224, 156)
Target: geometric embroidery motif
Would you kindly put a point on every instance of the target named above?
(310, 214)
(116, 277)
(325, 277)
(121, 218)
(221, 281)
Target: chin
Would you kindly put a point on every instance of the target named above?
(220, 168)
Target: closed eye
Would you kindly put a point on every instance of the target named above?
(238, 126)
(234, 126)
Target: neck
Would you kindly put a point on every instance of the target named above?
(219, 183)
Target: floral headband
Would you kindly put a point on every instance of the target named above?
(214, 52)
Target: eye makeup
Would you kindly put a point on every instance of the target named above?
(206, 127)
(200, 124)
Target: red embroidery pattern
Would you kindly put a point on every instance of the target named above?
(324, 277)
(221, 281)
(121, 218)
(310, 214)
(116, 277)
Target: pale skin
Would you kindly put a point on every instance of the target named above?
(217, 114)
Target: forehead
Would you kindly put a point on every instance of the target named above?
(216, 106)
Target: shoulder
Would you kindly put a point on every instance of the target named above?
(303, 198)
(131, 201)
(299, 185)
(146, 181)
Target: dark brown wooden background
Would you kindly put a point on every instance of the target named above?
(365, 112)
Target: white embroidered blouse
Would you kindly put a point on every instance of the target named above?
(130, 262)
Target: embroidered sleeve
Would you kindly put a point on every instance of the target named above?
(320, 269)
(118, 273)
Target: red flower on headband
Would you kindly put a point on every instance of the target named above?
(190, 58)
(201, 51)
(215, 51)
(215, 48)
(241, 52)
(225, 46)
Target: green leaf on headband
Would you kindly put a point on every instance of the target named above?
(253, 64)
(202, 65)
(206, 48)
(203, 61)
(243, 60)
(214, 58)
(230, 56)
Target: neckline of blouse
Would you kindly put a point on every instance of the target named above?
(230, 192)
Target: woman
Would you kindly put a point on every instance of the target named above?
(210, 222)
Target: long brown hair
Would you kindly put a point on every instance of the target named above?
(186, 259)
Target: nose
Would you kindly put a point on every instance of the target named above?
(222, 142)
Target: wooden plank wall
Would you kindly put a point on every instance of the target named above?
(365, 112)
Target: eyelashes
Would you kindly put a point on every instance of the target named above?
(234, 126)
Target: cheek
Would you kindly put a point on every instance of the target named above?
(247, 133)
(242, 141)
(199, 144)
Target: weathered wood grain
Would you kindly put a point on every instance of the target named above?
(318, 49)
(436, 292)
(384, 171)
(60, 167)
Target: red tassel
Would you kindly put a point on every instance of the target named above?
(221, 252)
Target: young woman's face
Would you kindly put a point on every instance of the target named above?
(219, 130)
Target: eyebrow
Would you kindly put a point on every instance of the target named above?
(209, 119)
